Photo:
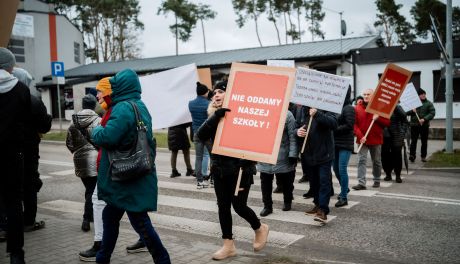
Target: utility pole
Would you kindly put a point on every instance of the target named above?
(449, 80)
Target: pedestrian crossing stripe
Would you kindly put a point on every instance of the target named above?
(182, 224)
(63, 172)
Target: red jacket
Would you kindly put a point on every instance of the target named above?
(363, 120)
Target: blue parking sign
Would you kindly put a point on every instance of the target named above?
(57, 68)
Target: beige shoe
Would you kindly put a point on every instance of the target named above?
(226, 251)
(261, 236)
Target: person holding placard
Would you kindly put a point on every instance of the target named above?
(420, 125)
(393, 141)
(343, 139)
(318, 156)
(372, 143)
(225, 170)
(283, 170)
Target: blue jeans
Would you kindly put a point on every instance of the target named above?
(340, 166)
(141, 223)
(201, 156)
(320, 185)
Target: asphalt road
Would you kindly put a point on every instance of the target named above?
(417, 221)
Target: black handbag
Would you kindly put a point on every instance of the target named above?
(134, 162)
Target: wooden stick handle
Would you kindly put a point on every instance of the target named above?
(306, 136)
(367, 132)
(238, 182)
(417, 116)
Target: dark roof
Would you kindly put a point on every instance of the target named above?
(299, 52)
(415, 52)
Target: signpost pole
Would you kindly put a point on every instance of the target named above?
(59, 107)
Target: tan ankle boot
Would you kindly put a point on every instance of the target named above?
(260, 238)
(227, 250)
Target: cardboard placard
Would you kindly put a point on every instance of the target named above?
(409, 99)
(204, 77)
(258, 97)
(8, 11)
(388, 91)
(320, 90)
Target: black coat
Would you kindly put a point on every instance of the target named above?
(178, 138)
(320, 143)
(398, 127)
(343, 135)
(40, 121)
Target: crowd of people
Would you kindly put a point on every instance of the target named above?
(92, 138)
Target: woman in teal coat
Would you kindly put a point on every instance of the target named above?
(135, 197)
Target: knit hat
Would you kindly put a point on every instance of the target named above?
(105, 88)
(201, 89)
(88, 102)
(221, 85)
(7, 59)
(420, 91)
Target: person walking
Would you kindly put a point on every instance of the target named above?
(225, 172)
(420, 126)
(318, 155)
(284, 169)
(372, 143)
(40, 123)
(393, 141)
(179, 140)
(198, 109)
(15, 109)
(138, 196)
(344, 145)
(78, 141)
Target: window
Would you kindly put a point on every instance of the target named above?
(76, 52)
(16, 46)
(439, 88)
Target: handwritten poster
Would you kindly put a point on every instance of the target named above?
(320, 90)
(409, 99)
(258, 97)
(388, 91)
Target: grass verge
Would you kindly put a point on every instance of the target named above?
(442, 159)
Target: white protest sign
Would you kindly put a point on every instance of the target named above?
(320, 90)
(166, 95)
(281, 63)
(409, 98)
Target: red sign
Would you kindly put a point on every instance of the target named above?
(389, 89)
(258, 97)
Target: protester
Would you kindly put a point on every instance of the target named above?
(40, 123)
(372, 143)
(393, 141)
(178, 140)
(15, 106)
(284, 169)
(225, 172)
(318, 155)
(198, 109)
(344, 144)
(79, 143)
(420, 127)
(138, 196)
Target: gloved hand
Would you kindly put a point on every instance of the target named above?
(221, 112)
(293, 160)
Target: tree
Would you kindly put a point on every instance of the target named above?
(392, 23)
(249, 9)
(272, 16)
(185, 19)
(421, 13)
(204, 12)
(315, 15)
(109, 27)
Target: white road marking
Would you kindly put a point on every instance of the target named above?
(58, 163)
(63, 173)
(435, 200)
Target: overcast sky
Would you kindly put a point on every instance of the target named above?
(222, 33)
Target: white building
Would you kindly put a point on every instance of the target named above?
(41, 36)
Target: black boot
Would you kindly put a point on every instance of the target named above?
(17, 258)
(90, 254)
(387, 178)
(190, 172)
(286, 207)
(266, 211)
(398, 179)
(174, 173)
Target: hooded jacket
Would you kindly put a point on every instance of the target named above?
(14, 112)
(343, 135)
(139, 195)
(78, 141)
(363, 120)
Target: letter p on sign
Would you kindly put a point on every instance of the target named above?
(57, 68)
